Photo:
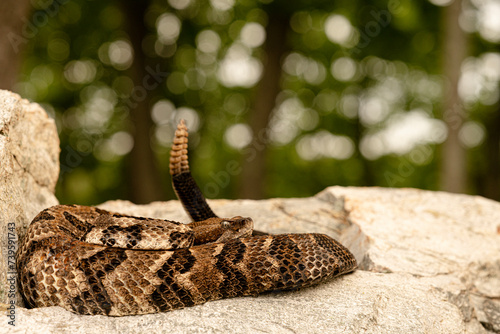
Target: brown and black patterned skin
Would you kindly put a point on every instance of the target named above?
(91, 261)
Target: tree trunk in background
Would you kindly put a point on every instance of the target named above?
(453, 165)
(254, 167)
(13, 18)
(490, 183)
(144, 177)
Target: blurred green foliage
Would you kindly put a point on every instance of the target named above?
(360, 101)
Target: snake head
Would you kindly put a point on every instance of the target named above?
(236, 227)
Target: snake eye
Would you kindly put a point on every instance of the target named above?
(225, 224)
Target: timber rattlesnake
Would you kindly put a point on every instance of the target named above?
(91, 261)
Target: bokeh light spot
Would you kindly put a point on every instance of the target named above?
(222, 5)
(163, 112)
(168, 27)
(208, 41)
(80, 71)
(253, 35)
(179, 4)
(238, 135)
(238, 68)
(344, 69)
(472, 134)
(120, 54)
(324, 144)
(339, 30)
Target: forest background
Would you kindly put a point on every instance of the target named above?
(282, 98)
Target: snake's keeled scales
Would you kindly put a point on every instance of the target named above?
(91, 261)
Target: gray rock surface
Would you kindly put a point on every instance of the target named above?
(29, 168)
(429, 261)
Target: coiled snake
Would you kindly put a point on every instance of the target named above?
(91, 261)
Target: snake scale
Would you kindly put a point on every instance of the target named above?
(91, 261)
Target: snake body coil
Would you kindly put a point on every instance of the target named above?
(92, 261)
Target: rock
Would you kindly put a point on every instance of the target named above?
(29, 168)
(449, 242)
(395, 303)
(429, 262)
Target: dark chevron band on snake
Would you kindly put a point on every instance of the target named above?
(92, 261)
